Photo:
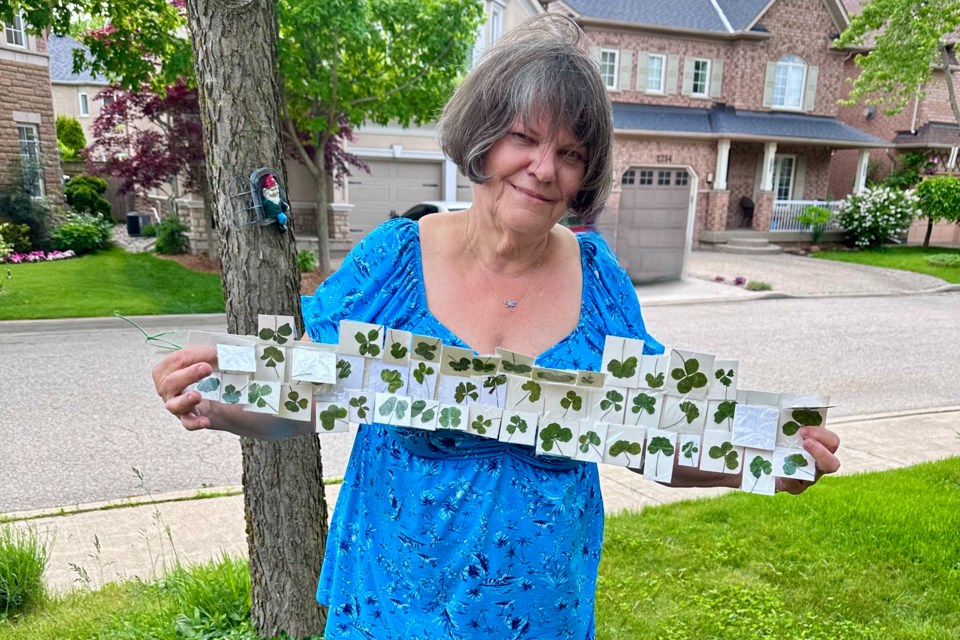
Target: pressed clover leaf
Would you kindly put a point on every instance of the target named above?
(271, 356)
(554, 433)
(588, 379)
(725, 411)
(463, 364)
(427, 416)
(387, 407)
(366, 342)
(533, 391)
(422, 371)
(465, 390)
(280, 336)
(450, 417)
(360, 404)
(689, 449)
(625, 369)
(758, 467)
(493, 382)
(397, 350)
(512, 367)
(654, 381)
(417, 408)
(208, 384)
(643, 402)
(401, 408)
(330, 415)
(793, 462)
(480, 425)
(571, 401)
(230, 395)
(557, 376)
(426, 351)
(725, 377)
(625, 447)
(295, 403)
(393, 379)
(343, 369)
(257, 394)
(690, 411)
(481, 366)
(587, 439)
(517, 424)
(802, 418)
(725, 451)
(661, 445)
(689, 377)
(613, 399)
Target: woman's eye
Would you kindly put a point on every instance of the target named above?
(519, 135)
(574, 156)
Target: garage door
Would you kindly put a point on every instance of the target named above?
(392, 185)
(652, 222)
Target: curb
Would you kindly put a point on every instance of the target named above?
(177, 321)
(779, 295)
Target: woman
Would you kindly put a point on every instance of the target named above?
(439, 535)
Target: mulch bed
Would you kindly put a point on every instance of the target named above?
(308, 281)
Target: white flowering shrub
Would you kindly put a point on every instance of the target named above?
(876, 215)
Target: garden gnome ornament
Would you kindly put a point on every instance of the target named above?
(273, 204)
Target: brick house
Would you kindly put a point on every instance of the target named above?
(725, 115)
(74, 94)
(27, 122)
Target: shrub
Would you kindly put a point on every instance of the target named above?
(757, 285)
(23, 557)
(944, 260)
(171, 236)
(816, 218)
(16, 235)
(876, 215)
(306, 261)
(149, 231)
(5, 249)
(939, 199)
(83, 233)
(84, 193)
(70, 138)
(18, 205)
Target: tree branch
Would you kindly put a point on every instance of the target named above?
(292, 130)
(411, 82)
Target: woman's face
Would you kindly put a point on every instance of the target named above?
(532, 176)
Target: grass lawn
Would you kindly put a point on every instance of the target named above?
(98, 284)
(904, 258)
(875, 556)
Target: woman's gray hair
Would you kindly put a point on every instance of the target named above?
(541, 69)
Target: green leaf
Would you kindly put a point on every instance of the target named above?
(587, 379)
(426, 351)
(386, 408)
(343, 369)
(659, 444)
(373, 334)
(422, 371)
(417, 408)
(557, 376)
(360, 404)
(480, 425)
(689, 449)
(613, 398)
(271, 356)
(760, 466)
(587, 439)
(427, 416)
(654, 381)
(517, 424)
(450, 417)
(330, 415)
(718, 452)
(643, 402)
(625, 369)
(295, 403)
(285, 330)
(493, 382)
(725, 377)
(625, 446)
(793, 462)
(230, 395)
(466, 390)
(397, 350)
(802, 418)
(510, 367)
(725, 411)
(690, 377)
(483, 367)
(689, 410)
(393, 379)
(402, 406)
(208, 384)
(266, 334)
(463, 364)
(533, 390)
(554, 433)
(571, 401)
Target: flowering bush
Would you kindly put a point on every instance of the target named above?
(5, 249)
(35, 256)
(876, 215)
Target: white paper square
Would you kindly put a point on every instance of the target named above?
(621, 362)
(313, 365)
(272, 362)
(609, 405)
(688, 374)
(360, 405)
(453, 417)
(296, 401)
(350, 372)
(625, 446)
(794, 463)
(455, 361)
(755, 426)
(361, 339)
(209, 388)
(276, 329)
(591, 379)
(643, 408)
(484, 420)
(764, 398)
(237, 358)
(524, 395)
(385, 378)
(758, 474)
(659, 453)
(332, 414)
(565, 401)
(653, 372)
(592, 441)
(557, 437)
(683, 415)
(518, 427)
(424, 414)
(720, 414)
(262, 396)
(457, 390)
(688, 450)
(422, 380)
(392, 409)
(719, 455)
(723, 380)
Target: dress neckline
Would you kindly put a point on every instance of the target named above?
(421, 291)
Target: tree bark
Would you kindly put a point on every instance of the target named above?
(234, 45)
(321, 181)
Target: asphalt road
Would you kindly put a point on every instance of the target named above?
(78, 412)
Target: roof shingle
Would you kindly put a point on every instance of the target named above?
(61, 50)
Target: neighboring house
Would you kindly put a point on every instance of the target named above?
(27, 124)
(925, 125)
(725, 116)
(74, 94)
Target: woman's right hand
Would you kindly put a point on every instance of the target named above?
(175, 373)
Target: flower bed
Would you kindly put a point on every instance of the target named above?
(38, 256)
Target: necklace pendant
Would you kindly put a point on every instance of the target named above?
(510, 304)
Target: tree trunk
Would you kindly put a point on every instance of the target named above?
(234, 45)
(926, 238)
(324, 196)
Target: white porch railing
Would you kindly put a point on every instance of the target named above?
(785, 214)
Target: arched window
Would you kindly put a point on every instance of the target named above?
(791, 75)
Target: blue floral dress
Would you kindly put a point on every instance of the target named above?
(446, 535)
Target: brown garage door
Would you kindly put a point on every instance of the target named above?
(391, 185)
(652, 223)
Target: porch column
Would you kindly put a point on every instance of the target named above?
(723, 161)
(769, 157)
(860, 182)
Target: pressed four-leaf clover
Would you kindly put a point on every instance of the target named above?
(422, 371)
(793, 462)
(554, 433)
(271, 357)
(612, 401)
(727, 453)
(208, 384)
(491, 383)
(481, 424)
(625, 369)
(725, 377)
(516, 424)
(571, 401)
(802, 418)
(330, 415)
(465, 390)
(626, 447)
(463, 364)
(661, 445)
(533, 391)
(360, 404)
(689, 377)
(366, 342)
(483, 366)
(689, 449)
(280, 336)
(590, 438)
(257, 395)
(556, 376)
(393, 379)
(419, 408)
(450, 417)
(758, 467)
(295, 403)
(230, 395)
(654, 381)
(725, 411)
(644, 402)
(343, 369)
(397, 350)
(512, 367)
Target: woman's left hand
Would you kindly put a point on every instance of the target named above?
(822, 444)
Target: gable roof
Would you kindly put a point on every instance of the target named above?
(61, 50)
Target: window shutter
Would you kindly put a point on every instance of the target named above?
(687, 76)
(768, 83)
(810, 91)
(642, 61)
(673, 67)
(626, 64)
(716, 78)
(799, 178)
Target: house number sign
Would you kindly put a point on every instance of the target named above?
(664, 157)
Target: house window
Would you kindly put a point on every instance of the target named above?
(496, 22)
(701, 77)
(788, 82)
(84, 105)
(663, 178)
(106, 101)
(681, 178)
(629, 177)
(30, 158)
(783, 174)
(655, 73)
(646, 177)
(14, 31)
(608, 68)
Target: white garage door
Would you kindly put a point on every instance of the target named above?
(652, 223)
(392, 185)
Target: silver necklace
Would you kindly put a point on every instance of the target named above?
(509, 303)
